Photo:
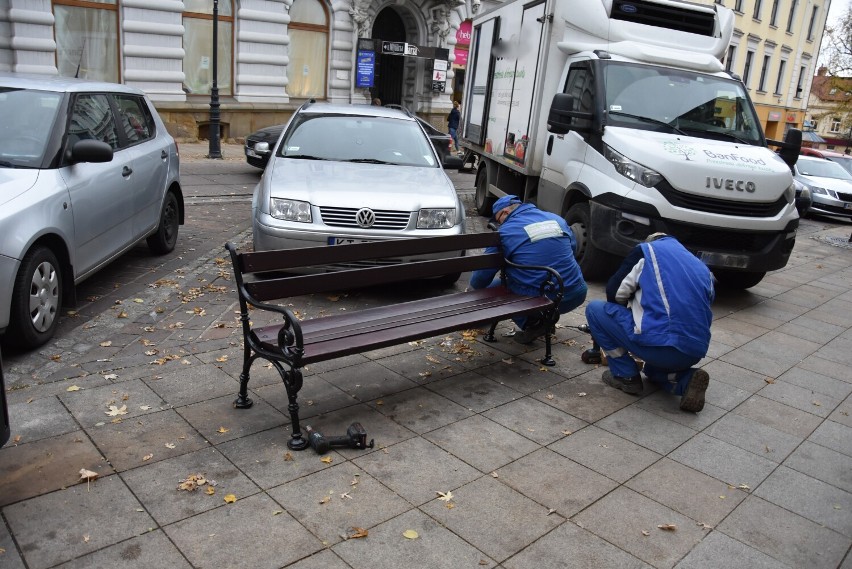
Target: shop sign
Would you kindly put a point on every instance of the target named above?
(774, 116)
(366, 68)
(791, 117)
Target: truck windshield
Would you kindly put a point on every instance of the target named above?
(684, 102)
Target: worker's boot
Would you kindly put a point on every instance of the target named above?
(693, 397)
(632, 385)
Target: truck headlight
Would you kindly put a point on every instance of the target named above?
(290, 210)
(632, 170)
(790, 192)
(436, 218)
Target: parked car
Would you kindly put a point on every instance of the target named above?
(87, 170)
(829, 183)
(352, 173)
(844, 160)
(442, 142)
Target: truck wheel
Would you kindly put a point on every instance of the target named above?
(595, 263)
(484, 200)
(36, 299)
(737, 280)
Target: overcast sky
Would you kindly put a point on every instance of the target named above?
(838, 8)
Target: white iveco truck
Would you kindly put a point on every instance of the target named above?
(620, 116)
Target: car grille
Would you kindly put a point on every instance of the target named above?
(345, 217)
(844, 197)
(722, 207)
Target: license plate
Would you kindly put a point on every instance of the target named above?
(345, 240)
(723, 260)
(250, 153)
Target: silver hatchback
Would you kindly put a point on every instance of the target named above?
(353, 173)
(87, 170)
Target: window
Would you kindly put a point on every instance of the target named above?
(134, 118)
(580, 86)
(308, 49)
(792, 16)
(729, 59)
(832, 91)
(764, 70)
(87, 39)
(198, 46)
(812, 23)
(835, 124)
(780, 80)
(91, 118)
(800, 82)
(747, 67)
(757, 5)
(738, 5)
(773, 16)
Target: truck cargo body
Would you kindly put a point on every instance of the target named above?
(619, 116)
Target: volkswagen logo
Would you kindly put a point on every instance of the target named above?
(365, 217)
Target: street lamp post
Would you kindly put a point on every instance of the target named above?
(215, 150)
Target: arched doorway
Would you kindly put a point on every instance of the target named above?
(390, 69)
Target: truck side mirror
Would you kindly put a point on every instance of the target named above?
(791, 147)
(559, 120)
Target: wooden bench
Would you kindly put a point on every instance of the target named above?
(293, 343)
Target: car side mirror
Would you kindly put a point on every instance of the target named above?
(90, 151)
(261, 148)
(791, 147)
(560, 120)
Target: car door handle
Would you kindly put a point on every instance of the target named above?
(164, 154)
(126, 171)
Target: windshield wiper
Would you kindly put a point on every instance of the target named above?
(7, 164)
(303, 157)
(733, 136)
(368, 161)
(649, 120)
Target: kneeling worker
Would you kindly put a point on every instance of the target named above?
(530, 236)
(658, 309)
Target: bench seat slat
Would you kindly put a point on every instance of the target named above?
(335, 336)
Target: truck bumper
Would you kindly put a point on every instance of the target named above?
(617, 231)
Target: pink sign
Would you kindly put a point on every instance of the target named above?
(462, 43)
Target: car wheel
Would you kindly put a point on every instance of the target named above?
(36, 299)
(484, 200)
(595, 263)
(737, 280)
(164, 239)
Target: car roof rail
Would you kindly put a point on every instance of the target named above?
(307, 104)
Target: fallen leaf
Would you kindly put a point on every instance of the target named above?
(86, 538)
(222, 358)
(288, 456)
(230, 498)
(542, 368)
(325, 500)
(56, 357)
(357, 533)
(144, 407)
(425, 373)
(508, 361)
(17, 439)
(73, 388)
(277, 512)
(581, 394)
(551, 511)
(702, 525)
(122, 314)
(744, 487)
(115, 411)
(445, 497)
(111, 376)
(410, 534)
(326, 459)
(148, 457)
(88, 475)
(566, 433)
(138, 300)
(170, 445)
(106, 344)
(549, 396)
(495, 475)
(667, 527)
(817, 403)
(345, 495)
(152, 352)
(646, 533)
(433, 359)
(768, 380)
(222, 430)
(210, 490)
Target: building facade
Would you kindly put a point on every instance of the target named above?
(829, 109)
(774, 50)
(272, 55)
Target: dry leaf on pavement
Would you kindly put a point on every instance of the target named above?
(88, 475)
(326, 459)
(73, 388)
(445, 497)
(667, 527)
(356, 533)
(222, 430)
(230, 498)
(148, 457)
(115, 411)
(410, 534)
(106, 344)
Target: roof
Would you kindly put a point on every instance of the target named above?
(811, 136)
(823, 84)
(61, 84)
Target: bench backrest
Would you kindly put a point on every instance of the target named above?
(294, 259)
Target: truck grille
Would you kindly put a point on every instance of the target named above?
(718, 239)
(682, 19)
(345, 217)
(723, 207)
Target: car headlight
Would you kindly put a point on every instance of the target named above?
(632, 170)
(436, 218)
(290, 210)
(818, 190)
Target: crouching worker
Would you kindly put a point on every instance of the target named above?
(529, 236)
(658, 309)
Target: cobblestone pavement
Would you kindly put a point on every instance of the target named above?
(547, 467)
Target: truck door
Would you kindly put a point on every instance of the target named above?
(565, 155)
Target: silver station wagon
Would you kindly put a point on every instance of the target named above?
(87, 170)
(353, 173)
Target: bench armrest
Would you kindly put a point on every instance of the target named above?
(553, 287)
(290, 340)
